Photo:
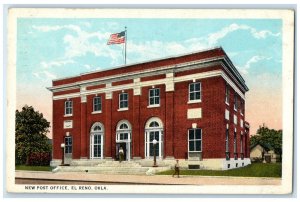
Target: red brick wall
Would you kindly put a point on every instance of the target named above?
(172, 111)
(210, 123)
(122, 82)
(59, 132)
(195, 71)
(150, 78)
(176, 124)
(95, 87)
(232, 126)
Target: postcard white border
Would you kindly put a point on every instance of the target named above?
(287, 17)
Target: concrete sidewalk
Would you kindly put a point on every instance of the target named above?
(155, 179)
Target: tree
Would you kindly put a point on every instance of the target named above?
(31, 130)
(271, 137)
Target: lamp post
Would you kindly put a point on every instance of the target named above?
(63, 153)
(154, 147)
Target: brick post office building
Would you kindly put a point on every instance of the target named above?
(192, 104)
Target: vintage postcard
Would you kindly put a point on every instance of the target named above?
(154, 101)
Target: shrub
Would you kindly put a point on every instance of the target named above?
(39, 159)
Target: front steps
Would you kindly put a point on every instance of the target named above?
(112, 167)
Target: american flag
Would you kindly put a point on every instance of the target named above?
(116, 38)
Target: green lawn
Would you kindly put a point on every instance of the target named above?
(253, 170)
(33, 168)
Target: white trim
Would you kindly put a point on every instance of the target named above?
(123, 109)
(194, 101)
(146, 72)
(154, 71)
(124, 121)
(235, 88)
(108, 94)
(110, 89)
(68, 115)
(83, 98)
(153, 106)
(235, 119)
(97, 112)
(158, 120)
(227, 114)
(194, 113)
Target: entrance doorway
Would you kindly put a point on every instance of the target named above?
(124, 147)
(123, 139)
(68, 149)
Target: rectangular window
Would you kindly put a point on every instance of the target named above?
(97, 146)
(123, 100)
(227, 94)
(242, 106)
(154, 96)
(235, 102)
(241, 143)
(68, 107)
(227, 154)
(227, 141)
(195, 140)
(123, 136)
(195, 91)
(227, 114)
(68, 145)
(234, 142)
(154, 135)
(235, 146)
(97, 105)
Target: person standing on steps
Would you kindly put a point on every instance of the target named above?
(176, 171)
(121, 154)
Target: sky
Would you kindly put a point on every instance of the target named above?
(49, 49)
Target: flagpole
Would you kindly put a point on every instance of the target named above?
(125, 42)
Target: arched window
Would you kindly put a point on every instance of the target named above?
(123, 126)
(153, 124)
(123, 131)
(154, 130)
(97, 141)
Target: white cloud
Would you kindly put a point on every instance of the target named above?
(46, 28)
(44, 75)
(80, 44)
(254, 59)
(213, 38)
(56, 63)
(88, 67)
(87, 24)
(263, 34)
